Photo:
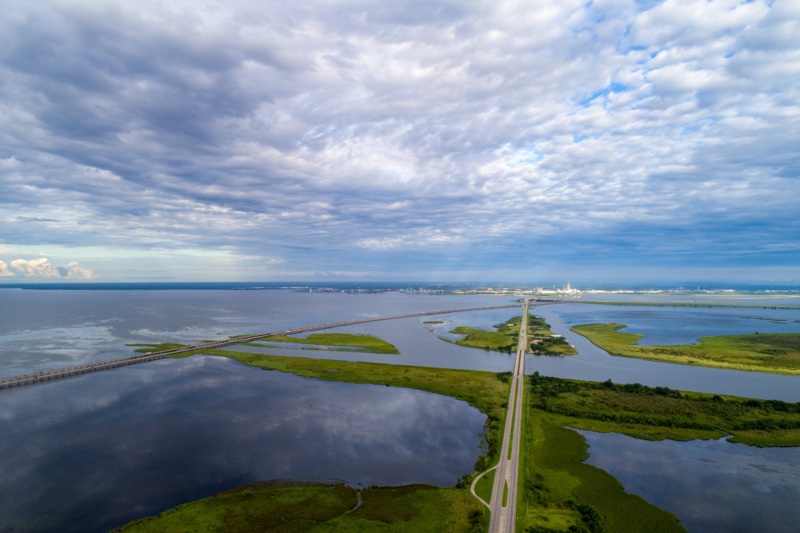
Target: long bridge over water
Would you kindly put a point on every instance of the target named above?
(59, 373)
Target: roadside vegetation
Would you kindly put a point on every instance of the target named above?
(763, 352)
(367, 343)
(506, 337)
(564, 494)
(298, 508)
(656, 413)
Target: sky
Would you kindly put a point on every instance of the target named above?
(458, 140)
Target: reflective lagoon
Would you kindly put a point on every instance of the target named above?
(732, 487)
(93, 453)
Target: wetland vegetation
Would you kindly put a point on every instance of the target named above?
(505, 337)
(300, 507)
(764, 352)
(367, 343)
(561, 493)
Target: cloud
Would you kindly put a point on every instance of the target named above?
(41, 268)
(344, 134)
(34, 268)
(72, 270)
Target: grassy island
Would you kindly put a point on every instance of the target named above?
(763, 352)
(503, 339)
(368, 343)
(542, 339)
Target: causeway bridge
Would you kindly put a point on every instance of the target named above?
(59, 373)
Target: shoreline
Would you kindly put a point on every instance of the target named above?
(746, 352)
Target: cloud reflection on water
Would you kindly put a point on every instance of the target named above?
(101, 449)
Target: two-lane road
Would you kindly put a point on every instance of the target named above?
(504, 493)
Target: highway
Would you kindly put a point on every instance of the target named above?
(59, 373)
(503, 505)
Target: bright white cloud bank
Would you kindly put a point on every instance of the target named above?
(41, 268)
(404, 139)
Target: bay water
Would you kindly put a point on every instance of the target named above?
(101, 449)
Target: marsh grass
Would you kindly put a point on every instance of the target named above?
(763, 352)
(368, 343)
(559, 486)
(504, 339)
(506, 335)
(298, 507)
(155, 347)
(562, 485)
(655, 413)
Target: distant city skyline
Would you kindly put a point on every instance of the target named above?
(608, 142)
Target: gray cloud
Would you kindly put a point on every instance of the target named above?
(346, 137)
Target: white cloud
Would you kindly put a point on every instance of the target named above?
(35, 268)
(73, 271)
(41, 268)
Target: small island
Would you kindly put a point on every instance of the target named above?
(761, 352)
(542, 339)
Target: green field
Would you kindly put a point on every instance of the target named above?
(763, 352)
(368, 343)
(298, 508)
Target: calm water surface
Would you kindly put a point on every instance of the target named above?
(105, 448)
(92, 453)
(595, 364)
(55, 328)
(732, 487)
